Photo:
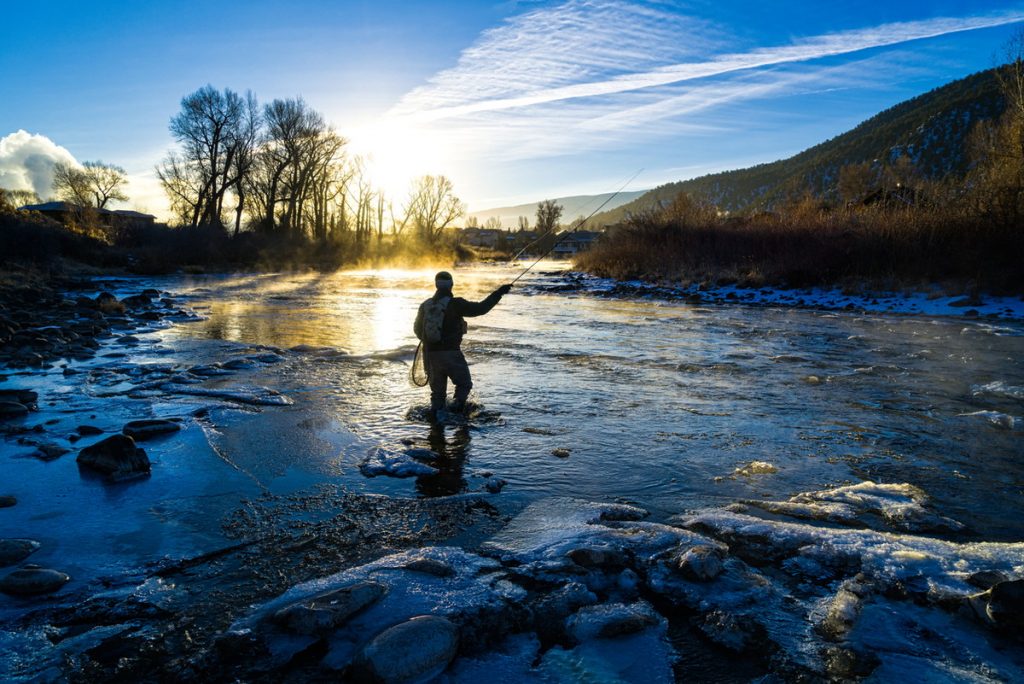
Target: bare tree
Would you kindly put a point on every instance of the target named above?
(433, 206)
(523, 222)
(548, 214)
(92, 185)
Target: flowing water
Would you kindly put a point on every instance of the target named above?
(657, 403)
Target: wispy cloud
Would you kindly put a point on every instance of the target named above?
(529, 61)
(547, 80)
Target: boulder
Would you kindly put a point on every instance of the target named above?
(33, 580)
(12, 409)
(137, 301)
(415, 650)
(116, 456)
(326, 612)
(16, 550)
(141, 430)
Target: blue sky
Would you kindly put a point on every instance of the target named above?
(515, 101)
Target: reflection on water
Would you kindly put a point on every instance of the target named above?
(656, 402)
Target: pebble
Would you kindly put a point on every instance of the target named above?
(415, 650)
(33, 580)
(16, 550)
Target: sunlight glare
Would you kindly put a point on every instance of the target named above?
(396, 152)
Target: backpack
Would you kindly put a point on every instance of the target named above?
(433, 318)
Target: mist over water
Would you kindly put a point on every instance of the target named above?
(657, 402)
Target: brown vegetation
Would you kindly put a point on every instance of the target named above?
(811, 244)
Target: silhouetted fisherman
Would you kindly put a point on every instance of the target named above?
(440, 325)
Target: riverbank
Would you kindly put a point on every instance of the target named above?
(934, 301)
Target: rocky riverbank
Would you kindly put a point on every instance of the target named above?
(932, 301)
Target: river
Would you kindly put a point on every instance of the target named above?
(654, 402)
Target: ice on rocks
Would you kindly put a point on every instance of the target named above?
(381, 461)
(897, 506)
(259, 396)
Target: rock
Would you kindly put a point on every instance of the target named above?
(756, 468)
(610, 620)
(116, 456)
(430, 566)
(12, 409)
(986, 579)
(700, 563)
(88, 430)
(326, 612)
(20, 396)
(137, 301)
(8, 500)
(16, 550)
(50, 452)
(561, 452)
(141, 430)
(494, 485)
(415, 650)
(423, 454)
(32, 580)
(127, 339)
(594, 557)
(1002, 606)
(150, 292)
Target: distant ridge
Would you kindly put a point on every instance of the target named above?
(931, 129)
(572, 207)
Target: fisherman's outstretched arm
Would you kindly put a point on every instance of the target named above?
(470, 309)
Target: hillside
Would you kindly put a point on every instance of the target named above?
(930, 129)
(571, 208)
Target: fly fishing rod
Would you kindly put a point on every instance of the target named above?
(578, 226)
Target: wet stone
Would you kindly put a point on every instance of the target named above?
(20, 396)
(328, 611)
(31, 581)
(608, 621)
(588, 557)
(116, 456)
(415, 650)
(141, 430)
(16, 550)
(12, 409)
(127, 340)
(1002, 606)
(561, 452)
(8, 500)
(50, 452)
(88, 430)
(700, 563)
(430, 566)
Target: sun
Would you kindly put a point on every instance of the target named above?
(395, 153)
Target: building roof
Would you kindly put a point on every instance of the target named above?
(69, 206)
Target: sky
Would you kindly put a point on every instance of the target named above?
(514, 101)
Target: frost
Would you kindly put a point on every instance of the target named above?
(393, 464)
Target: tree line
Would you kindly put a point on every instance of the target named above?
(281, 169)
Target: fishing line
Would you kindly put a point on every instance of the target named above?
(580, 225)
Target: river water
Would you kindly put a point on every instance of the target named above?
(657, 402)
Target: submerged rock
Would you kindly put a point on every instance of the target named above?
(12, 409)
(328, 611)
(21, 396)
(612, 620)
(49, 451)
(8, 500)
(415, 650)
(117, 457)
(141, 430)
(16, 550)
(32, 580)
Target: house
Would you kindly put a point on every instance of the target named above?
(482, 237)
(575, 242)
(67, 212)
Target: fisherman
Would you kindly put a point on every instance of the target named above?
(440, 325)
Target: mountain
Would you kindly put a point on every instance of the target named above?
(930, 129)
(572, 207)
